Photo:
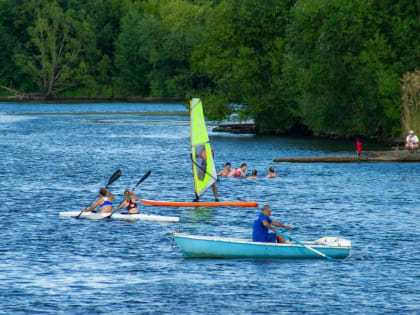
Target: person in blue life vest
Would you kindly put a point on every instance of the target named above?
(261, 226)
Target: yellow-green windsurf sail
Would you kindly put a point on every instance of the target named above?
(204, 170)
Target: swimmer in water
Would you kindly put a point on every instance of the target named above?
(225, 171)
(271, 173)
(239, 172)
(253, 175)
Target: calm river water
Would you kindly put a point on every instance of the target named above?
(56, 157)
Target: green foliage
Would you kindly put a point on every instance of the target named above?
(411, 102)
(60, 43)
(347, 64)
(324, 66)
(138, 36)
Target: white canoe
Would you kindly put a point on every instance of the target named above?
(119, 216)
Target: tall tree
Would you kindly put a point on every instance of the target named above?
(242, 53)
(60, 42)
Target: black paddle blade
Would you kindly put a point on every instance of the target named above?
(144, 177)
(114, 177)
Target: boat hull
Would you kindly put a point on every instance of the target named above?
(217, 247)
(199, 204)
(118, 216)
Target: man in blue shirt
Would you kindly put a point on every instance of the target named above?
(261, 226)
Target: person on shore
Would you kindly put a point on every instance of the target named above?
(239, 172)
(253, 175)
(261, 225)
(412, 141)
(130, 202)
(271, 173)
(225, 171)
(104, 202)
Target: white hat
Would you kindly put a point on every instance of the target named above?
(411, 131)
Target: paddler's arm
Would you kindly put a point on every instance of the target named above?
(268, 226)
(135, 197)
(93, 207)
(110, 195)
(280, 225)
(123, 204)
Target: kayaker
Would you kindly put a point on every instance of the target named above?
(239, 172)
(412, 141)
(253, 175)
(225, 171)
(271, 173)
(104, 201)
(130, 202)
(261, 225)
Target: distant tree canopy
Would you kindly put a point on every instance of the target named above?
(310, 66)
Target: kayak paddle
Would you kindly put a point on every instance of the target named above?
(306, 246)
(138, 183)
(112, 179)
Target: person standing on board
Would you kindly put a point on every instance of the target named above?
(412, 141)
(104, 201)
(271, 173)
(130, 202)
(239, 172)
(202, 172)
(225, 171)
(261, 225)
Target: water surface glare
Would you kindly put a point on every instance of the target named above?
(55, 157)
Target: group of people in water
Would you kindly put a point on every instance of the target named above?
(242, 171)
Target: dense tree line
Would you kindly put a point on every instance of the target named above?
(293, 65)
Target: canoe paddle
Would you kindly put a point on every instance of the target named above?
(306, 246)
(112, 179)
(138, 183)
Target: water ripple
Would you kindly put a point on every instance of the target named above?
(55, 163)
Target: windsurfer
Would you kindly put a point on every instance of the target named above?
(202, 172)
(225, 171)
(239, 172)
(130, 202)
(104, 201)
(261, 225)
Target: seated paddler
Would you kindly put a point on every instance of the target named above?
(104, 202)
(261, 226)
(130, 202)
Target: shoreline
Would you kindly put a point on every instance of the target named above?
(91, 99)
(234, 128)
(250, 128)
(365, 156)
